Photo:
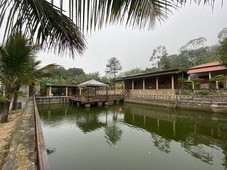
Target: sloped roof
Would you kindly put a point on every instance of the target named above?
(61, 85)
(208, 67)
(92, 83)
(151, 74)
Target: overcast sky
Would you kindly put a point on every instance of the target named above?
(133, 48)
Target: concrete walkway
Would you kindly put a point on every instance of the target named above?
(22, 154)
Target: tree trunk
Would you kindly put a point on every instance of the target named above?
(15, 98)
(15, 102)
(5, 113)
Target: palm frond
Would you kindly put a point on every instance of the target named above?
(50, 27)
(44, 22)
(94, 14)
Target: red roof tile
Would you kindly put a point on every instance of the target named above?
(206, 69)
(216, 63)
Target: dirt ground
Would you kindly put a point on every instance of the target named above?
(6, 134)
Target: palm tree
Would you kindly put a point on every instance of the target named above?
(16, 57)
(49, 26)
(30, 75)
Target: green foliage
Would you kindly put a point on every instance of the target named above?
(157, 54)
(220, 78)
(194, 44)
(222, 35)
(203, 92)
(184, 81)
(191, 54)
(1, 100)
(185, 92)
(1, 103)
(113, 67)
(77, 77)
(131, 72)
(222, 51)
(197, 81)
(17, 63)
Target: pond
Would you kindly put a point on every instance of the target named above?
(133, 137)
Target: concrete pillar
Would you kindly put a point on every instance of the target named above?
(66, 91)
(87, 105)
(132, 84)
(156, 83)
(172, 82)
(216, 84)
(80, 92)
(143, 84)
(193, 85)
(189, 77)
(50, 91)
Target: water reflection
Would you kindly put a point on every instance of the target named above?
(198, 133)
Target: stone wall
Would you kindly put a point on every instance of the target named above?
(167, 98)
(150, 94)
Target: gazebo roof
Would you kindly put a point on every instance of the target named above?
(92, 83)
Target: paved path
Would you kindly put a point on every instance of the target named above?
(22, 154)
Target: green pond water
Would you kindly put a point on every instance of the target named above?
(139, 137)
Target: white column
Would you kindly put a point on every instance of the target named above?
(209, 75)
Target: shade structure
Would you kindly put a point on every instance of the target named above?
(92, 83)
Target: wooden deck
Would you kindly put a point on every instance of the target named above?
(99, 100)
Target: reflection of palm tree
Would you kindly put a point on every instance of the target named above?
(113, 132)
(161, 143)
(197, 150)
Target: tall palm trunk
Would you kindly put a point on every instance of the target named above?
(5, 113)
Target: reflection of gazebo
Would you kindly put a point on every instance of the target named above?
(89, 123)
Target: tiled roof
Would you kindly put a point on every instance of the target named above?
(216, 63)
(208, 67)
